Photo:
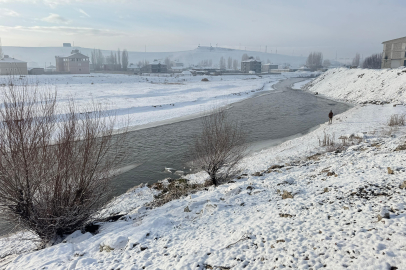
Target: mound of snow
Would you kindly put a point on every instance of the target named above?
(362, 85)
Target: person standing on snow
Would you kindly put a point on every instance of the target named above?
(330, 116)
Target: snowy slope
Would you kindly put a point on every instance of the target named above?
(362, 85)
(46, 55)
(330, 223)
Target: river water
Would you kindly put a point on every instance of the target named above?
(269, 118)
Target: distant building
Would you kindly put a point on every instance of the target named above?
(394, 53)
(268, 67)
(176, 63)
(155, 67)
(36, 71)
(12, 66)
(111, 67)
(251, 65)
(132, 67)
(50, 69)
(67, 45)
(76, 63)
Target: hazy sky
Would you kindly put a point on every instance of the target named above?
(293, 27)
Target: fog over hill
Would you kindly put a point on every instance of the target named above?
(40, 56)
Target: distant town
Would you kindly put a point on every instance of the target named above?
(393, 56)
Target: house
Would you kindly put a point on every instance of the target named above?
(268, 67)
(50, 69)
(155, 67)
(66, 45)
(12, 66)
(132, 67)
(76, 63)
(251, 65)
(394, 53)
(36, 71)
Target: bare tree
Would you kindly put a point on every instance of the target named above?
(314, 60)
(235, 64)
(124, 59)
(97, 59)
(373, 62)
(119, 57)
(326, 63)
(1, 50)
(356, 60)
(229, 62)
(55, 167)
(168, 62)
(219, 147)
(222, 63)
(244, 57)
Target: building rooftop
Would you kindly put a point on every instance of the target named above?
(7, 59)
(394, 40)
(157, 62)
(251, 59)
(75, 54)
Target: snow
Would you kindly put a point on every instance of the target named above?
(362, 85)
(331, 222)
(146, 99)
(299, 85)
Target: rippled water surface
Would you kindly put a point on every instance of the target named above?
(268, 118)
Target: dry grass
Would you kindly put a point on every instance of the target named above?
(328, 140)
(176, 189)
(396, 120)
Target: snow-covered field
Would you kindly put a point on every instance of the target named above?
(328, 220)
(147, 99)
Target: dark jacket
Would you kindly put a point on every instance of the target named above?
(330, 115)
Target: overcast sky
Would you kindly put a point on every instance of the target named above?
(293, 27)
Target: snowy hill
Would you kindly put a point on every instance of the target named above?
(362, 85)
(45, 55)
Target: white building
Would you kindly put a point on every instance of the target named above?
(12, 66)
(394, 53)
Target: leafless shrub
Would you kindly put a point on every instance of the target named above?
(219, 147)
(327, 140)
(396, 120)
(55, 168)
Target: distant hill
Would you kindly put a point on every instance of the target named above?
(41, 56)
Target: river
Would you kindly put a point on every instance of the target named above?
(275, 115)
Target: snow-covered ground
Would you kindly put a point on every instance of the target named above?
(328, 220)
(362, 86)
(147, 99)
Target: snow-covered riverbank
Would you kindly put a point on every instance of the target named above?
(315, 209)
(148, 100)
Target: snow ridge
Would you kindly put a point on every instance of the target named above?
(362, 85)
